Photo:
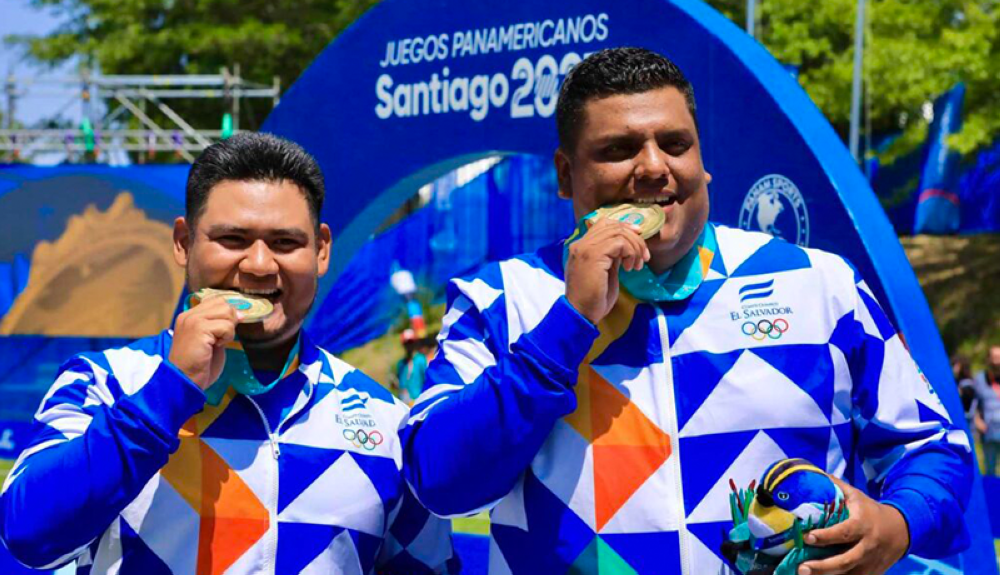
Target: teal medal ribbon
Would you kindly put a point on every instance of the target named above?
(675, 284)
(238, 374)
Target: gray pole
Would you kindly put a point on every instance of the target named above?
(236, 99)
(85, 93)
(751, 17)
(859, 47)
(11, 98)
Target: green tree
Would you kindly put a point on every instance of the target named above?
(267, 38)
(915, 50)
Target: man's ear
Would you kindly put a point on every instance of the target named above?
(708, 177)
(323, 241)
(182, 241)
(564, 168)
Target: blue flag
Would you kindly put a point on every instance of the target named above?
(938, 208)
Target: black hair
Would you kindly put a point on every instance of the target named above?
(254, 157)
(611, 72)
(964, 367)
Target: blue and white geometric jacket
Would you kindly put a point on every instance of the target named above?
(610, 449)
(131, 472)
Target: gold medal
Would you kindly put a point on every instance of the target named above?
(649, 219)
(253, 309)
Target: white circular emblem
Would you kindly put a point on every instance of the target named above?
(775, 206)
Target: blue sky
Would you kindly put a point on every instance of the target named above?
(18, 17)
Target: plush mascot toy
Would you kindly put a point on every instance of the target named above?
(793, 497)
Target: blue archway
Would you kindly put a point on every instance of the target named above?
(418, 87)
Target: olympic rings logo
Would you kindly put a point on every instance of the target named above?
(363, 439)
(766, 329)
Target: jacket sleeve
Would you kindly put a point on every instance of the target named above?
(913, 456)
(489, 405)
(93, 451)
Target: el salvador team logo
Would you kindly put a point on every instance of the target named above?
(762, 316)
(359, 438)
(774, 205)
(353, 401)
(756, 291)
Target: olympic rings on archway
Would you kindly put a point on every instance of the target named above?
(765, 329)
(363, 439)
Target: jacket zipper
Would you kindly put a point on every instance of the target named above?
(271, 556)
(683, 535)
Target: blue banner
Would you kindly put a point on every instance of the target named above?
(510, 209)
(979, 191)
(28, 366)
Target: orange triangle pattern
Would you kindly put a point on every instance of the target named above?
(615, 420)
(619, 471)
(627, 447)
(233, 519)
(223, 553)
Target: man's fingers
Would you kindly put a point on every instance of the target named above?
(848, 531)
(222, 330)
(840, 534)
(618, 241)
(214, 307)
(630, 249)
(612, 293)
(618, 248)
(639, 244)
(607, 228)
(595, 224)
(844, 486)
(838, 564)
(604, 225)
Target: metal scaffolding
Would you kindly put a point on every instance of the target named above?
(127, 100)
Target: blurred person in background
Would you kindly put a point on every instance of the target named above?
(987, 386)
(962, 370)
(411, 369)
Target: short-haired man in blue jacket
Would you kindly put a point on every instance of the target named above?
(599, 394)
(224, 446)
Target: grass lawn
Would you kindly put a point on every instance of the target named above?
(5, 465)
(960, 276)
(475, 525)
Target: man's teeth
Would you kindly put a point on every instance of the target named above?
(260, 292)
(663, 201)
